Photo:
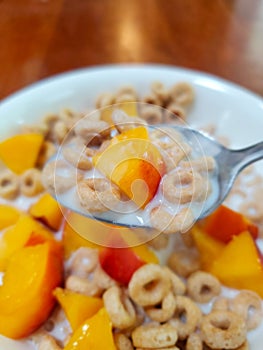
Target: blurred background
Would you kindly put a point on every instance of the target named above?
(40, 38)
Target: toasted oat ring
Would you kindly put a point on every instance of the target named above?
(166, 311)
(30, 182)
(221, 304)
(183, 186)
(154, 336)
(178, 286)
(165, 348)
(77, 158)
(223, 330)
(149, 285)
(202, 164)
(184, 261)
(182, 93)
(248, 305)
(173, 112)
(186, 318)
(194, 342)
(166, 222)
(161, 91)
(122, 342)
(98, 195)
(151, 113)
(9, 184)
(83, 261)
(202, 286)
(56, 183)
(119, 307)
(86, 127)
(83, 285)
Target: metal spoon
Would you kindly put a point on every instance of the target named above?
(229, 164)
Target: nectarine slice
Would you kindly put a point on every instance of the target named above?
(134, 164)
(77, 307)
(18, 235)
(224, 223)
(27, 145)
(94, 333)
(8, 215)
(239, 264)
(47, 210)
(26, 296)
(208, 247)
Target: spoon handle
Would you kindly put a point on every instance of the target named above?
(243, 157)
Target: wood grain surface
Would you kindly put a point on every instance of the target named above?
(39, 38)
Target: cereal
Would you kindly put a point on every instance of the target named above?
(98, 195)
(161, 91)
(125, 97)
(248, 305)
(9, 184)
(122, 342)
(30, 182)
(174, 154)
(102, 279)
(76, 158)
(183, 186)
(104, 100)
(160, 242)
(152, 99)
(88, 129)
(202, 287)
(223, 330)
(173, 113)
(119, 307)
(194, 342)
(201, 164)
(221, 303)
(186, 318)
(123, 122)
(83, 286)
(70, 117)
(127, 89)
(83, 261)
(151, 114)
(184, 262)
(178, 286)
(154, 336)
(166, 348)
(149, 285)
(166, 222)
(182, 94)
(164, 312)
(47, 150)
(60, 131)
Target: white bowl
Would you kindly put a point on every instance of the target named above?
(237, 113)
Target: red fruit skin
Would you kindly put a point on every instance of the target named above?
(120, 263)
(224, 223)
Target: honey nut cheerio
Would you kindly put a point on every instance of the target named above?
(176, 307)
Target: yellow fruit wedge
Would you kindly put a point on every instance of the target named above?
(20, 152)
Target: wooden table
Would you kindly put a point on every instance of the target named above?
(39, 38)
